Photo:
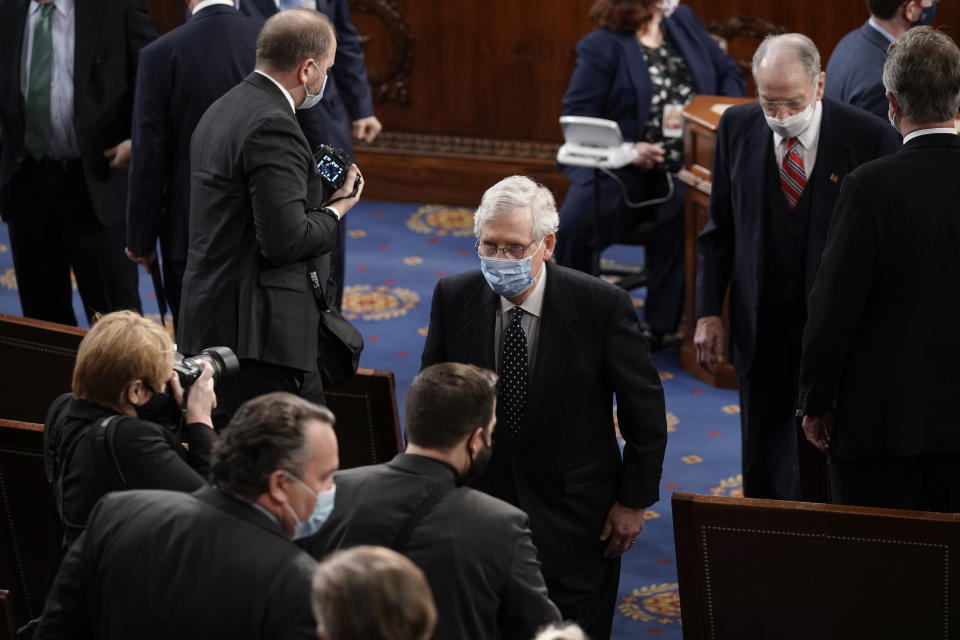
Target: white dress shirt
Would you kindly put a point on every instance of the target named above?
(209, 3)
(927, 132)
(808, 142)
(63, 134)
(281, 87)
(533, 307)
(886, 34)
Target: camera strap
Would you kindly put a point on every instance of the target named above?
(102, 435)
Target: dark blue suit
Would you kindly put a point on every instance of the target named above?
(855, 70)
(736, 248)
(181, 74)
(611, 80)
(346, 98)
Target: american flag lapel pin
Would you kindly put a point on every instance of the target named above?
(834, 178)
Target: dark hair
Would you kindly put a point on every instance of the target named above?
(621, 15)
(447, 402)
(372, 593)
(884, 9)
(290, 37)
(265, 434)
(922, 71)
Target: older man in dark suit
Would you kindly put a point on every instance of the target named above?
(475, 550)
(879, 376)
(66, 95)
(856, 64)
(777, 174)
(217, 563)
(180, 75)
(260, 233)
(564, 343)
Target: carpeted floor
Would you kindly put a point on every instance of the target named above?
(395, 254)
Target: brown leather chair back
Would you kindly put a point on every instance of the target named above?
(771, 569)
(368, 424)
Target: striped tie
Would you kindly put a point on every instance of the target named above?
(793, 179)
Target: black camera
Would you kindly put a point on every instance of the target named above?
(223, 360)
(332, 165)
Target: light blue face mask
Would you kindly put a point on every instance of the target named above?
(313, 98)
(508, 277)
(322, 509)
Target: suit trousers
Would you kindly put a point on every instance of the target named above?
(927, 482)
(589, 598)
(173, 271)
(53, 229)
(255, 378)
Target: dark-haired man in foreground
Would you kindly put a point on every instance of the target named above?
(217, 563)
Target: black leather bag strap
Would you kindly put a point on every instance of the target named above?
(101, 435)
(426, 505)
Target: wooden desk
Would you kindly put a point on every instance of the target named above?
(702, 116)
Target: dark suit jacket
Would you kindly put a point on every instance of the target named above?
(855, 70)
(181, 74)
(147, 455)
(565, 470)
(251, 237)
(347, 96)
(611, 78)
(162, 564)
(475, 550)
(109, 36)
(881, 339)
(731, 246)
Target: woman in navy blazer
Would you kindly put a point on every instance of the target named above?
(612, 79)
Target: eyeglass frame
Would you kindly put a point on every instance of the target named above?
(504, 250)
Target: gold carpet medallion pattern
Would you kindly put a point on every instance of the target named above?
(692, 459)
(3, 248)
(8, 280)
(672, 422)
(366, 302)
(438, 220)
(657, 603)
(731, 487)
(731, 409)
(357, 233)
(413, 260)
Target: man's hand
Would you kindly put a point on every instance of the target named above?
(201, 401)
(119, 155)
(648, 155)
(621, 529)
(147, 260)
(366, 129)
(819, 431)
(342, 206)
(709, 341)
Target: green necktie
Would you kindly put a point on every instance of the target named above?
(37, 135)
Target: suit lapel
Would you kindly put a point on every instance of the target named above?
(87, 35)
(639, 74)
(478, 329)
(875, 37)
(759, 165)
(14, 23)
(558, 339)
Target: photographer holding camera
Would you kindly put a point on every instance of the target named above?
(264, 216)
(120, 428)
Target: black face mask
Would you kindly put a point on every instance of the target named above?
(161, 408)
(478, 464)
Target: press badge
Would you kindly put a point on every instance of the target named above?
(673, 120)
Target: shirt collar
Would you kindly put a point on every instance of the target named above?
(64, 7)
(886, 34)
(209, 3)
(808, 139)
(927, 132)
(534, 302)
(279, 86)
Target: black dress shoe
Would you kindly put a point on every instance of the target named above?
(659, 340)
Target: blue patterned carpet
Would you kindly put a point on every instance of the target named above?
(395, 254)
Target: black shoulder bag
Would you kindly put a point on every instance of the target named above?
(338, 342)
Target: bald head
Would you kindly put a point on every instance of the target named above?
(292, 36)
(789, 50)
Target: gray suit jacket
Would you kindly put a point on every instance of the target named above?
(252, 239)
(475, 550)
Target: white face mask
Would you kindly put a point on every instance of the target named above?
(668, 7)
(312, 99)
(792, 126)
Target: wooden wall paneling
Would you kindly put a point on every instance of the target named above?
(167, 14)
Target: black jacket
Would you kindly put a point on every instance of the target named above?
(565, 470)
(146, 455)
(164, 564)
(475, 550)
(252, 238)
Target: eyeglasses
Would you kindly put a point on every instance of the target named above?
(772, 106)
(492, 250)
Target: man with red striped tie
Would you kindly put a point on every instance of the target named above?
(777, 173)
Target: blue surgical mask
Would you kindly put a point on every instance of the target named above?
(322, 508)
(508, 277)
(926, 16)
(312, 99)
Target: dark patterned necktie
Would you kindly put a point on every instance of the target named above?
(37, 133)
(793, 178)
(513, 373)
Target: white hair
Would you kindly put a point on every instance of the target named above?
(514, 192)
(566, 631)
(801, 48)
